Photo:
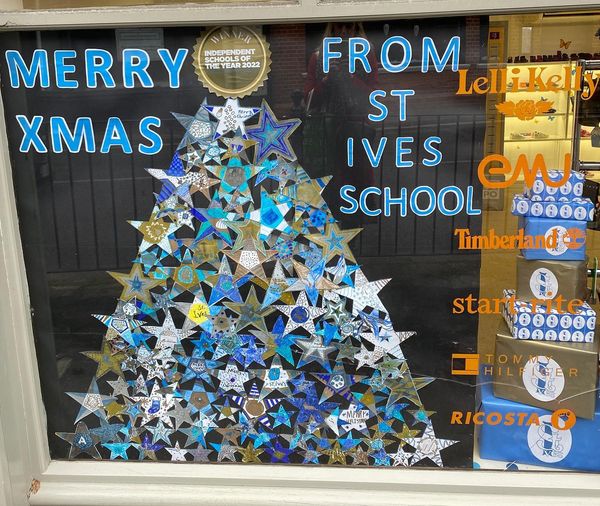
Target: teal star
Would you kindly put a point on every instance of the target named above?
(282, 417)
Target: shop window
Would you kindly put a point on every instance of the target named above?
(311, 252)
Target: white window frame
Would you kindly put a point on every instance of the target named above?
(29, 476)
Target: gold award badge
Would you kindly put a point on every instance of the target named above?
(232, 61)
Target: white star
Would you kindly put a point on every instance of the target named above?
(232, 379)
(177, 453)
(428, 446)
(231, 116)
(168, 335)
(364, 292)
(301, 314)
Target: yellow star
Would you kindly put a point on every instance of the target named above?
(336, 455)
(115, 409)
(107, 361)
(250, 454)
(335, 241)
(136, 284)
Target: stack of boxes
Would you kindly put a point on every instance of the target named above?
(546, 353)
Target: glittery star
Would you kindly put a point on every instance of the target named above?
(250, 454)
(272, 136)
(108, 361)
(335, 241)
(336, 455)
(428, 446)
(251, 312)
(271, 216)
(177, 453)
(117, 450)
(81, 441)
(250, 261)
(311, 280)
(314, 351)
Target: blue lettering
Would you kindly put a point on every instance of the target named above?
(460, 200)
(61, 68)
(115, 135)
(414, 204)
(83, 133)
(402, 94)
(155, 139)
(135, 63)
(437, 154)
(98, 63)
(30, 134)
(374, 159)
(173, 65)
(359, 49)
(18, 70)
(328, 54)
(385, 56)
(382, 108)
(344, 193)
(430, 51)
(363, 201)
(401, 151)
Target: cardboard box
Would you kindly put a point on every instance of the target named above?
(548, 279)
(547, 323)
(579, 209)
(554, 239)
(542, 444)
(547, 374)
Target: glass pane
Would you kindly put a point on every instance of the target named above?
(308, 231)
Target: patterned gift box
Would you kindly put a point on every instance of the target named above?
(547, 324)
(542, 444)
(570, 190)
(570, 238)
(580, 209)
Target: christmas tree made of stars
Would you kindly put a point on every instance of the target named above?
(245, 330)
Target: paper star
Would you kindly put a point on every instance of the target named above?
(198, 128)
(177, 453)
(167, 334)
(335, 241)
(231, 116)
(300, 314)
(81, 441)
(272, 136)
(91, 402)
(250, 454)
(251, 312)
(364, 292)
(250, 261)
(108, 361)
(135, 284)
(118, 450)
(428, 446)
(314, 351)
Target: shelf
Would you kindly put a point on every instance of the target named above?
(555, 139)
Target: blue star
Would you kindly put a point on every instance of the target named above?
(272, 136)
(282, 417)
(117, 450)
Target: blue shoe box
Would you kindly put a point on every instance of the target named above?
(570, 238)
(579, 209)
(571, 189)
(524, 441)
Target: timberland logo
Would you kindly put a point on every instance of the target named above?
(556, 240)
